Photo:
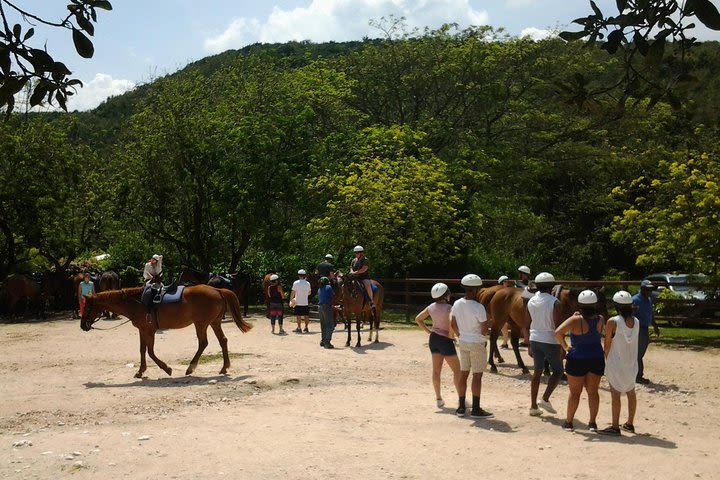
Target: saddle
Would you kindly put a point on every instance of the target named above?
(153, 296)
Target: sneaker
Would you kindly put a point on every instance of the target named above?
(628, 427)
(535, 412)
(592, 426)
(440, 402)
(480, 413)
(322, 344)
(297, 330)
(460, 412)
(306, 330)
(568, 427)
(547, 406)
(612, 431)
(329, 346)
(282, 332)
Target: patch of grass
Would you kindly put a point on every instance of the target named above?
(705, 337)
(217, 357)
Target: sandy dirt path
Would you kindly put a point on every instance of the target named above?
(70, 408)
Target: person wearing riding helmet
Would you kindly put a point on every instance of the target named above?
(469, 323)
(299, 298)
(326, 267)
(151, 294)
(523, 280)
(275, 297)
(585, 361)
(440, 343)
(621, 361)
(359, 271)
(545, 315)
(325, 311)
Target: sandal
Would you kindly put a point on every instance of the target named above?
(615, 432)
(628, 427)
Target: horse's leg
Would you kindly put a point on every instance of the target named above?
(376, 322)
(515, 341)
(201, 331)
(150, 339)
(358, 323)
(348, 327)
(222, 339)
(372, 323)
(143, 349)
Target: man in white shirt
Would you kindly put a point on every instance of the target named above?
(469, 322)
(545, 315)
(299, 299)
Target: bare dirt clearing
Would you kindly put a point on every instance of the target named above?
(290, 409)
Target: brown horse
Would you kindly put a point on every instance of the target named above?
(24, 290)
(108, 281)
(508, 306)
(237, 283)
(200, 305)
(354, 304)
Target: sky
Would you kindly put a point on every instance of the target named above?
(141, 40)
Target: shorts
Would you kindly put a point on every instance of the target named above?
(581, 367)
(302, 310)
(546, 351)
(275, 309)
(473, 357)
(442, 345)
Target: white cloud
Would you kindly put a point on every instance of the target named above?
(537, 33)
(342, 20)
(94, 92)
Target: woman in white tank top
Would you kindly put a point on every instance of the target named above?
(621, 363)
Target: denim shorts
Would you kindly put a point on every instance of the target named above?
(546, 351)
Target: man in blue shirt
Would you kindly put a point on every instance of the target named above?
(325, 310)
(643, 310)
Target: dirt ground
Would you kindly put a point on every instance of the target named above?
(289, 409)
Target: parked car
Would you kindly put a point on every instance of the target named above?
(683, 285)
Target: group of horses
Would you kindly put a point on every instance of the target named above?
(23, 294)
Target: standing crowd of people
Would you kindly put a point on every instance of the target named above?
(612, 347)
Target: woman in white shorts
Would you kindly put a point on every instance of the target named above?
(440, 343)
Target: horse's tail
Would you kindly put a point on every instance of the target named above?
(233, 303)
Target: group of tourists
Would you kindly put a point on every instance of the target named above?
(301, 290)
(458, 336)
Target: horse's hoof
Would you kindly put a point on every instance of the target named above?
(138, 375)
(525, 371)
(169, 371)
(493, 369)
(500, 360)
(188, 372)
(377, 340)
(347, 344)
(223, 371)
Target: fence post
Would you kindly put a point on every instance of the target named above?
(407, 297)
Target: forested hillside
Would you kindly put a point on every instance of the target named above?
(441, 152)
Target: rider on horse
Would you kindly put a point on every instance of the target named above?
(326, 268)
(151, 276)
(359, 271)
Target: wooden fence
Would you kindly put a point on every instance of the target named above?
(411, 295)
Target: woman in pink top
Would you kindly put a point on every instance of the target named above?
(440, 343)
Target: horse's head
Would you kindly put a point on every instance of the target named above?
(91, 313)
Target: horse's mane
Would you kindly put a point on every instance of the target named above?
(122, 294)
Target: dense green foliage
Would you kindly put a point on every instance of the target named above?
(440, 152)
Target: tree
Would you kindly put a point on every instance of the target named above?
(395, 198)
(21, 64)
(640, 33)
(672, 220)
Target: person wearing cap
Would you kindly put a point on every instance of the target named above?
(441, 345)
(545, 316)
(325, 311)
(299, 300)
(643, 310)
(585, 361)
(275, 297)
(151, 275)
(523, 280)
(153, 269)
(506, 282)
(470, 325)
(621, 361)
(359, 271)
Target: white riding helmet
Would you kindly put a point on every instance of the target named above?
(544, 277)
(302, 272)
(438, 290)
(273, 277)
(358, 248)
(587, 297)
(328, 257)
(157, 257)
(471, 280)
(503, 278)
(622, 298)
(524, 269)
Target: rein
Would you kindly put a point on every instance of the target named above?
(93, 327)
